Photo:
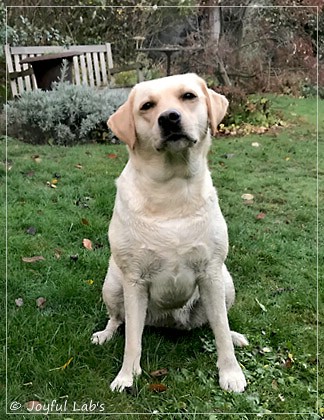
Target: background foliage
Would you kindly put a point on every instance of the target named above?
(256, 48)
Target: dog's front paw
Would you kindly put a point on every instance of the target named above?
(125, 380)
(121, 382)
(100, 337)
(232, 379)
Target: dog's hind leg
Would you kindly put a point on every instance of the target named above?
(238, 339)
(112, 293)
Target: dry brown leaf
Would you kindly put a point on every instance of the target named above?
(158, 387)
(34, 406)
(78, 166)
(159, 372)
(247, 196)
(111, 155)
(289, 361)
(260, 216)
(87, 244)
(36, 158)
(85, 222)
(41, 303)
(57, 253)
(33, 259)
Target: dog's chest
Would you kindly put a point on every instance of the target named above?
(171, 278)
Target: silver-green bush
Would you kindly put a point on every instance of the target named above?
(66, 115)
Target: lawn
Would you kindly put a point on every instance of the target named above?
(59, 196)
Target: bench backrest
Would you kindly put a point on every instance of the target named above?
(91, 68)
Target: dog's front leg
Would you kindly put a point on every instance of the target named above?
(212, 292)
(135, 301)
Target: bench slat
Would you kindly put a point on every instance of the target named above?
(93, 67)
(90, 69)
(83, 70)
(20, 80)
(76, 68)
(96, 68)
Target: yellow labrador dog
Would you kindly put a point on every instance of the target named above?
(168, 236)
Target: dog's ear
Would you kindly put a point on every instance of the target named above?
(217, 106)
(122, 122)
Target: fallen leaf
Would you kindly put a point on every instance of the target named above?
(34, 406)
(87, 244)
(57, 253)
(33, 259)
(274, 384)
(63, 366)
(85, 222)
(260, 216)
(41, 303)
(289, 361)
(19, 302)
(54, 181)
(157, 387)
(247, 196)
(49, 184)
(159, 372)
(78, 166)
(255, 144)
(261, 305)
(90, 282)
(31, 230)
(111, 155)
(36, 158)
(287, 158)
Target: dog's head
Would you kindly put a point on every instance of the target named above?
(172, 113)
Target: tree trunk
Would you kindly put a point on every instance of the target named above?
(222, 73)
(215, 24)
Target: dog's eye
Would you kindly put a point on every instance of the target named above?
(188, 96)
(147, 105)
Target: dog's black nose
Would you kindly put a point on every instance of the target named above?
(169, 119)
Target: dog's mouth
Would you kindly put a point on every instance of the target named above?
(176, 141)
(176, 137)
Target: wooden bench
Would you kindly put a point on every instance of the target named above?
(93, 66)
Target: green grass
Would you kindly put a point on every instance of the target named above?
(273, 262)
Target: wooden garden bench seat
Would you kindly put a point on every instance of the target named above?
(92, 65)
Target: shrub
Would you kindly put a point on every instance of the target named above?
(244, 109)
(66, 115)
(247, 113)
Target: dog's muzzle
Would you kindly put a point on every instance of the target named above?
(170, 123)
